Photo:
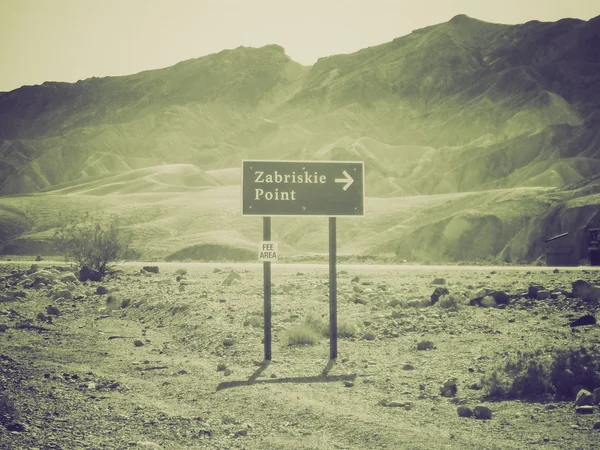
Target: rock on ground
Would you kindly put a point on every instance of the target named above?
(482, 413)
(584, 398)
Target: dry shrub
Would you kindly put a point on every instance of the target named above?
(346, 328)
(544, 372)
(256, 321)
(317, 322)
(113, 302)
(92, 241)
(449, 302)
(300, 334)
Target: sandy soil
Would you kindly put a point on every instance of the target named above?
(162, 362)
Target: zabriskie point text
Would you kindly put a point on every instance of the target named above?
(287, 178)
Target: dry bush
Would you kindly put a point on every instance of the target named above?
(544, 372)
(346, 328)
(256, 321)
(450, 302)
(92, 241)
(317, 322)
(300, 334)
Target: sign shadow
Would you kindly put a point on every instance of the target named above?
(323, 377)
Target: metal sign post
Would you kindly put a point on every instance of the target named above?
(267, 291)
(302, 188)
(332, 290)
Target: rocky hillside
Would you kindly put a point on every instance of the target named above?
(457, 107)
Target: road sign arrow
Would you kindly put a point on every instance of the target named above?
(348, 180)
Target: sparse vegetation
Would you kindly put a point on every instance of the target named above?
(92, 241)
(300, 334)
(346, 328)
(256, 321)
(544, 372)
(449, 302)
(317, 322)
(315, 325)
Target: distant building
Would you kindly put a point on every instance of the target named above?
(564, 250)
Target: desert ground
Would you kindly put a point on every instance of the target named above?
(174, 359)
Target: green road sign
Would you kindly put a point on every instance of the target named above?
(303, 188)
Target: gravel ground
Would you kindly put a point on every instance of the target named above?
(173, 359)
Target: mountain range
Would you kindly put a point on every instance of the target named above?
(454, 122)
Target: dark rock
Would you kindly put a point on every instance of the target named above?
(240, 433)
(542, 294)
(475, 301)
(584, 409)
(596, 396)
(138, 343)
(15, 426)
(227, 342)
(533, 290)
(408, 367)
(87, 274)
(151, 269)
(52, 310)
(449, 388)
(368, 336)
(101, 290)
(464, 411)
(6, 298)
(439, 281)
(597, 426)
(425, 345)
(221, 367)
(588, 319)
(584, 398)
(585, 291)
(501, 297)
(437, 293)
(482, 413)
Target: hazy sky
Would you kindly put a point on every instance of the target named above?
(68, 40)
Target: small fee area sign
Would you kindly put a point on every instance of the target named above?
(267, 251)
(303, 188)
